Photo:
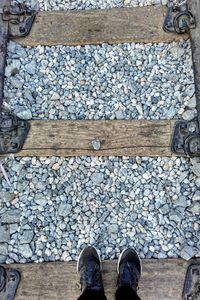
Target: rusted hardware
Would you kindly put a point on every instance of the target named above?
(15, 21)
(179, 18)
(20, 19)
(186, 139)
(96, 144)
(191, 290)
(13, 133)
(9, 281)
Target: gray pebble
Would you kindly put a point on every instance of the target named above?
(113, 228)
(164, 209)
(188, 252)
(189, 115)
(196, 196)
(25, 250)
(3, 249)
(23, 113)
(31, 67)
(64, 209)
(2, 259)
(4, 234)
(97, 178)
(196, 168)
(26, 237)
(6, 197)
(13, 228)
(195, 208)
(13, 68)
(11, 216)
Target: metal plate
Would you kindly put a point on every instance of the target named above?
(13, 133)
(9, 281)
(191, 290)
(20, 19)
(186, 139)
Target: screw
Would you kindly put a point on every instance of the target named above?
(96, 144)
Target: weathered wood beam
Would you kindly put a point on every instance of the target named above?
(161, 279)
(117, 25)
(116, 138)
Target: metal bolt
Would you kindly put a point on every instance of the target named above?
(96, 144)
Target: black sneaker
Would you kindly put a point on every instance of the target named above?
(129, 269)
(89, 268)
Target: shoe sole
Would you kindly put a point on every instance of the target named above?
(121, 257)
(77, 267)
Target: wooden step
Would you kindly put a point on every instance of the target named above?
(116, 138)
(116, 25)
(161, 280)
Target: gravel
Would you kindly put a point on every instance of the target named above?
(87, 4)
(123, 81)
(196, 196)
(11, 216)
(26, 236)
(61, 205)
(56, 206)
(3, 249)
(135, 3)
(188, 252)
(196, 168)
(4, 234)
(25, 251)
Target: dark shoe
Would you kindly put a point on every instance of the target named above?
(128, 269)
(89, 268)
(124, 292)
(93, 295)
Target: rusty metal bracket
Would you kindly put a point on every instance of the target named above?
(15, 21)
(9, 281)
(191, 290)
(20, 19)
(184, 16)
(13, 133)
(179, 18)
(186, 139)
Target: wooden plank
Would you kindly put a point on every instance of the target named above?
(161, 279)
(117, 25)
(117, 138)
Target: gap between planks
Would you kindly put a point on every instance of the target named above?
(116, 137)
(116, 25)
(161, 280)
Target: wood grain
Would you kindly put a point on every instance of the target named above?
(161, 280)
(117, 25)
(117, 138)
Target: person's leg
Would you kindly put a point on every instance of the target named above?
(92, 295)
(129, 272)
(89, 268)
(126, 293)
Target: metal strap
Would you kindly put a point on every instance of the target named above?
(14, 21)
(3, 49)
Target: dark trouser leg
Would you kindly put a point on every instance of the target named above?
(92, 295)
(126, 293)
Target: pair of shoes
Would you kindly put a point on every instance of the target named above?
(89, 269)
